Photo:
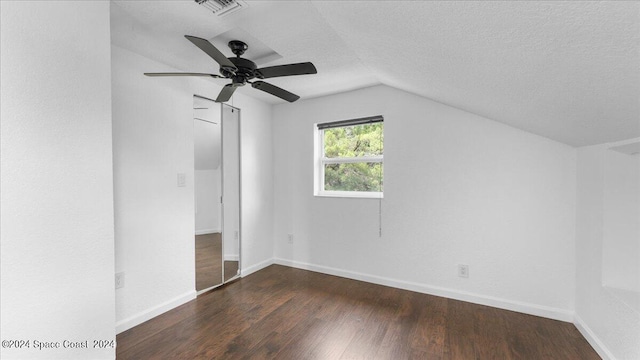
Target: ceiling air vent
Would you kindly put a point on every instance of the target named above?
(222, 7)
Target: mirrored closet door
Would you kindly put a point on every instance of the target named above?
(216, 193)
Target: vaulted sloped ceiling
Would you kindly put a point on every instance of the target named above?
(569, 71)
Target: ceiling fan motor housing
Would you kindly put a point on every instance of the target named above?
(246, 69)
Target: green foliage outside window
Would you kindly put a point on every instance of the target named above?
(352, 142)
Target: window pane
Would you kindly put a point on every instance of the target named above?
(353, 177)
(354, 141)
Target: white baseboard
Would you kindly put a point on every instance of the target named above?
(593, 340)
(257, 267)
(208, 231)
(149, 314)
(231, 257)
(526, 308)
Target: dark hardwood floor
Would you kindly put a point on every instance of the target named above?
(286, 313)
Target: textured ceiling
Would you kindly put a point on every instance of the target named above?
(569, 71)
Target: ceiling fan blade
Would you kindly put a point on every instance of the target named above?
(276, 91)
(226, 93)
(185, 74)
(287, 70)
(212, 51)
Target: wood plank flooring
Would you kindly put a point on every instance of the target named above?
(286, 313)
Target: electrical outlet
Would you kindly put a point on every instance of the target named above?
(119, 280)
(182, 179)
(236, 236)
(463, 271)
(290, 238)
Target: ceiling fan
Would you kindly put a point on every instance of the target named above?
(241, 70)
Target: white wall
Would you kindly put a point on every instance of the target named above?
(56, 221)
(154, 219)
(153, 141)
(458, 189)
(611, 325)
(621, 238)
(256, 183)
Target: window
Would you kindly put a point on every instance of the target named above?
(349, 158)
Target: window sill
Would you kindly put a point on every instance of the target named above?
(350, 194)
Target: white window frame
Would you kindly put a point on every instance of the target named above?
(321, 161)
